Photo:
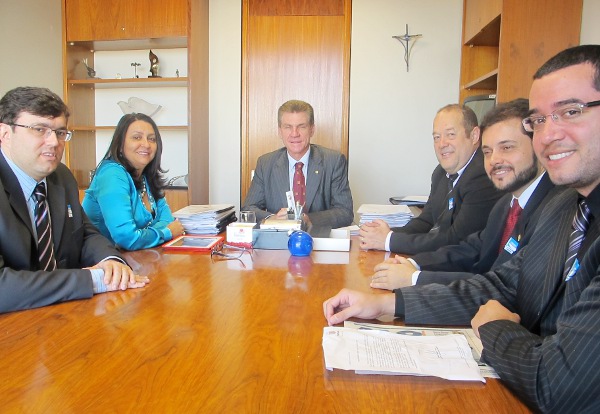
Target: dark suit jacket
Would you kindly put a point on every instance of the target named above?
(551, 359)
(474, 196)
(328, 197)
(77, 244)
(478, 253)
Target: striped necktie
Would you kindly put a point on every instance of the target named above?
(451, 179)
(44, 233)
(580, 225)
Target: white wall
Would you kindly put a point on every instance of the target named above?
(31, 44)
(390, 110)
(225, 59)
(590, 29)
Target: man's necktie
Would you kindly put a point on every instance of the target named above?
(450, 203)
(451, 179)
(511, 221)
(580, 225)
(44, 232)
(299, 186)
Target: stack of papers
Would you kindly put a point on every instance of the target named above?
(474, 342)
(273, 223)
(379, 352)
(208, 219)
(393, 215)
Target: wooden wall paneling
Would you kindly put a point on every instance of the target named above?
(198, 138)
(80, 152)
(176, 198)
(293, 57)
(116, 19)
(530, 35)
(156, 18)
(93, 19)
(477, 61)
(82, 157)
(478, 14)
(297, 8)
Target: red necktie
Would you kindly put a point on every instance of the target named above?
(299, 186)
(511, 221)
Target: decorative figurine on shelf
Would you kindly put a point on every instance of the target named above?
(135, 65)
(91, 73)
(177, 73)
(153, 65)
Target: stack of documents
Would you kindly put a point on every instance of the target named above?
(273, 223)
(393, 215)
(209, 219)
(372, 351)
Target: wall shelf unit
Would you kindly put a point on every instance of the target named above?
(129, 82)
(112, 34)
(506, 41)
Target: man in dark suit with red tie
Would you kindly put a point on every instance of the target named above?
(512, 166)
(538, 315)
(317, 176)
(461, 195)
(49, 250)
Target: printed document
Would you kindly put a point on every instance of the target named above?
(474, 342)
(380, 352)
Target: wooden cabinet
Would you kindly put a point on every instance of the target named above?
(92, 32)
(506, 41)
(88, 20)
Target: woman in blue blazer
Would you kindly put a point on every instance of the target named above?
(125, 199)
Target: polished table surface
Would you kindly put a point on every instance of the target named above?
(229, 336)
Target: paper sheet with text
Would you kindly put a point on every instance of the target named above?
(474, 342)
(380, 352)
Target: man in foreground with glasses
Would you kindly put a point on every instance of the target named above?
(538, 315)
(46, 236)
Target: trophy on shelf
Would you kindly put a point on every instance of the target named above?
(153, 65)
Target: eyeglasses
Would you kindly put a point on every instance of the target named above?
(566, 114)
(226, 251)
(44, 132)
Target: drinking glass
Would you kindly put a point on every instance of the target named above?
(247, 217)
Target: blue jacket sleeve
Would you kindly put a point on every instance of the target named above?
(129, 223)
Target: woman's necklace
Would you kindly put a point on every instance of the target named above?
(143, 190)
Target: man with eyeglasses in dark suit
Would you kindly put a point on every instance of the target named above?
(49, 250)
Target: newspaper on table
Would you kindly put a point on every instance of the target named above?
(473, 341)
(380, 352)
(205, 219)
(393, 215)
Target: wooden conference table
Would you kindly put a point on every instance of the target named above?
(231, 336)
